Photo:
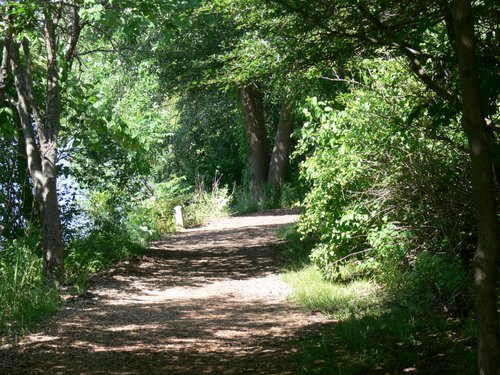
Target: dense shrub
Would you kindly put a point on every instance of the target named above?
(385, 183)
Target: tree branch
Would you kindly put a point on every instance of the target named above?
(4, 69)
(351, 255)
(74, 35)
(28, 85)
(412, 54)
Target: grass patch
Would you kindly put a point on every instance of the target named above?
(337, 300)
(394, 342)
(375, 331)
(24, 295)
(94, 253)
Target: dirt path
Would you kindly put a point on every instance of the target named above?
(205, 301)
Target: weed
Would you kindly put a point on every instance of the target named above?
(24, 295)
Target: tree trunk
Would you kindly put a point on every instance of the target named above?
(7, 41)
(281, 150)
(52, 234)
(41, 164)
(4, 68)
(485, 263)
(258, 156)
(53, 249)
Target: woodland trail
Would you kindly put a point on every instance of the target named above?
(204, 301)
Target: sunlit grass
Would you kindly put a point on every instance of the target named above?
(340, 301)
(374, 331)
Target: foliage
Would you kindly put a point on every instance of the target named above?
(439, 279)
(382, 164)
(16, 197)
(296, 248)
(208, 138)
(377, 329)
(291, 194)
(204, 206)
(96, 252)
(117, 126)
(24, 294)
(383, 182)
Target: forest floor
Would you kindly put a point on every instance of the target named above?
(204, 301)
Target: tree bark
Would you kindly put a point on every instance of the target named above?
(41, 158)
(29, 212)
(281, 150)
(485, 263)
(53, 254)
(258, 156)
(4, 68)
(7, 41)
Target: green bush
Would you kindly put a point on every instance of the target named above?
(204, 205)
(384, 182)
(167, 195)
(291, 195)
(95, 252)
(439, 278)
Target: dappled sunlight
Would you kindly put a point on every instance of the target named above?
(203, 301)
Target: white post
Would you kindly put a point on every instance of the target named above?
(179, 216)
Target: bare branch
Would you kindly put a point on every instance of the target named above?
(351, 255)
(102, 50)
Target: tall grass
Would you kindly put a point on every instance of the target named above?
(95, 252)
(205, 205)
(24, 295)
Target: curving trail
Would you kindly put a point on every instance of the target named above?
(205, 301)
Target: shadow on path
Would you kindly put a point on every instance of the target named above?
(205, 301)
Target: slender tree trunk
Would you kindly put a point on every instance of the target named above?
(53, 248)
(258, 156)
(281, 150)
(52, 234)
(33, 153)
(41, 163)
(486, 258)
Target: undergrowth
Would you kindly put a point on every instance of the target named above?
(376, 328)
(289, 196)
(339, 301)
(24, 295)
